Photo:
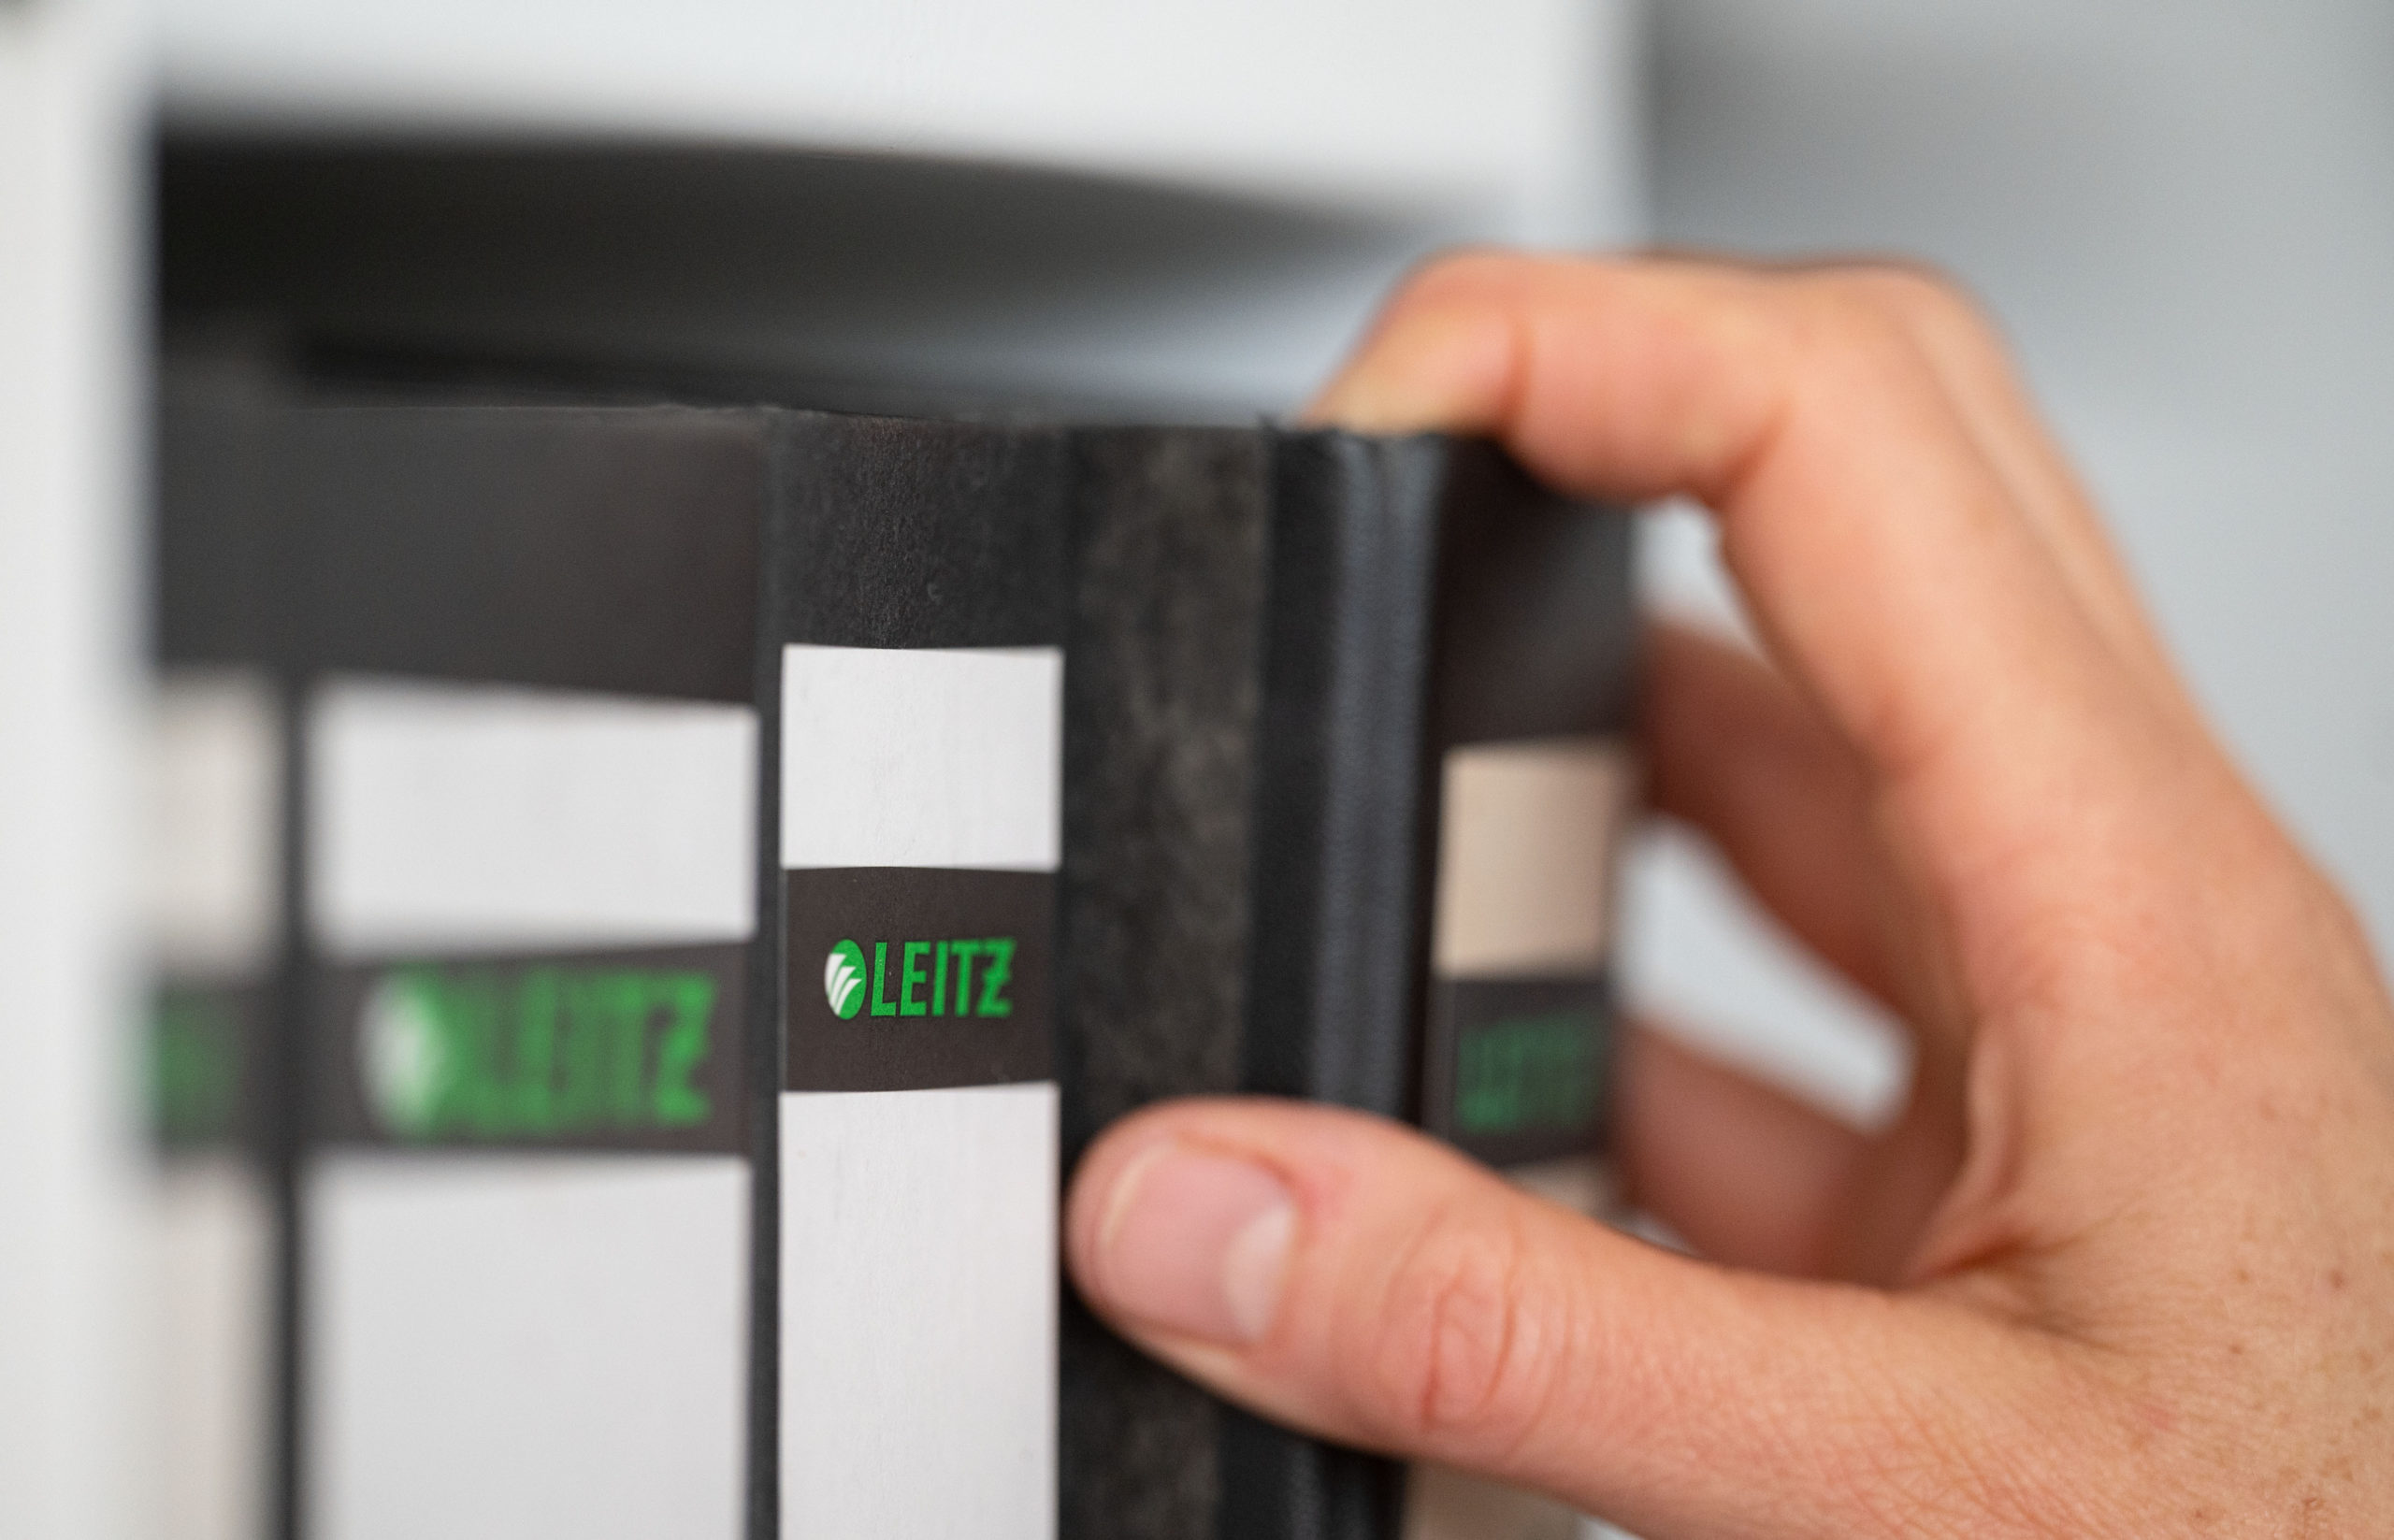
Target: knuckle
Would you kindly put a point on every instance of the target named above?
(1926, 303)
(1457, 1360)
(1843, 321)
(1920, 292)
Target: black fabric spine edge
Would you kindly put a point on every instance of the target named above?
(1341, 871)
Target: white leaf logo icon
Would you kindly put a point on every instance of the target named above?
(843, 979)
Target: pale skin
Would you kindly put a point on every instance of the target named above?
(2124, 1265)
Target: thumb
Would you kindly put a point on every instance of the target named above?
(1352, 1278)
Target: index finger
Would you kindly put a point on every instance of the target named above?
(1880, 552)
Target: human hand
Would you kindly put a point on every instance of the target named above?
(2124, 1264)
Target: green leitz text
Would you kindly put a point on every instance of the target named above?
(966, 977)
(543, 1052)
(1528, 1074)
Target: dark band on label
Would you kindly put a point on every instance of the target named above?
(910, 978)
(617, 1050)
(1520, 1070)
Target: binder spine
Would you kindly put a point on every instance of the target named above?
(1343, 828)
(1527, 782)
(920, 568)
(1531, 780)
(1163, 693)
(1340, 864)
(528, 774)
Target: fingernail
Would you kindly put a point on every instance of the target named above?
(1197, 1244)
(1425, 372)
(1372, 400)
(1345, 402)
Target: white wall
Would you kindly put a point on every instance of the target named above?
(2184, 213)
(67, 468)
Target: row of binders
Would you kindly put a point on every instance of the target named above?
(650, 898)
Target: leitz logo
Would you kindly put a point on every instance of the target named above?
(1528, 1072)
(965, 977)
(542, 1052)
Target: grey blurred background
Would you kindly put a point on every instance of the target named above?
(2183, 215)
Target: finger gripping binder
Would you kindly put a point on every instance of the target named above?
(740, 853)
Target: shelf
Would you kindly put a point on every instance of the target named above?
(1510, 116)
